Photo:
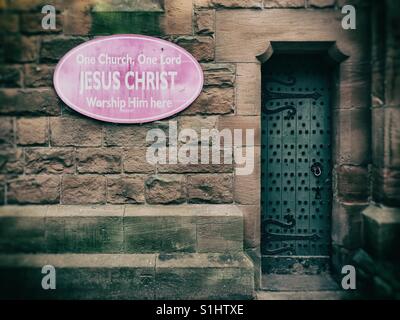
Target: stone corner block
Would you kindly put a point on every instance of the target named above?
(382, 231)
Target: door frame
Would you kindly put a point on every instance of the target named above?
(333, 57)
(246, 38)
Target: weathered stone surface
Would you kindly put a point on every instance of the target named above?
(346, 224)
(244, 42)
(79, 276)
(11, 161)
(131, 135)
(321, 3)
(54, 48)
(252, 225)
(76, 18)
(21, 49)
(70, 131)
(178, 17)
(39, 75)
(256, 4)
(213, 101)
(362, 260)
(32, 131)
(9, 23)
(220, 234)
(218, 74)
(34, 189)
(248, 88)
(356, 3)
(197, 123)
(204, 276)
(30, 5)
(201, 47)
(244, 123)
(99, 160)
(378, 132)
(2, 190)
(124, 6)
(10, 76)
(49, 160)
(204, 21)
(82, 189)
(352, 182)
(159, 234)
(22, 229)
(354, 94)
(352, 137)
(284, 3)
(386, 186)
(84, 234)
(6, 131)
(225, 163)
(31, 23)
(382, 231)
(41, 101)
(135, 161)
(393, 136)
(247, 184)
(210, 188)
(126, 189)
(166, 189)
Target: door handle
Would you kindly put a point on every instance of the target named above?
(316, 169)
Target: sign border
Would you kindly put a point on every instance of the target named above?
(56, 80)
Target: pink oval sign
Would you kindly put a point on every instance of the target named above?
(128, 79)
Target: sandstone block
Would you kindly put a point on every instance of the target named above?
(219, 74)
(126, 189)
(220, 234)
(98, 160)
(11, 161)
(201, 47)
(178, 17)
(131, 135)
(248, 88)
(49, 160)
(38, 75)
(54, 48)
(213, 101)
(34, 189)
(6, 131)
(77, 189)
(36, 102)
(10, 76)
(9, 22)
(81, 132)
(204, 21)
(31, 23)
(159, 234)
(21, 48)
(352, 182)
(32, 131)
(135, 161)
(166, 189)
(207, 188)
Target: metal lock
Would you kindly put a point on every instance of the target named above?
(316, 169)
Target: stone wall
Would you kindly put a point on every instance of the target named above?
(378, 261)
(50, 154)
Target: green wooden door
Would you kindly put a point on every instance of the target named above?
(296, 157)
